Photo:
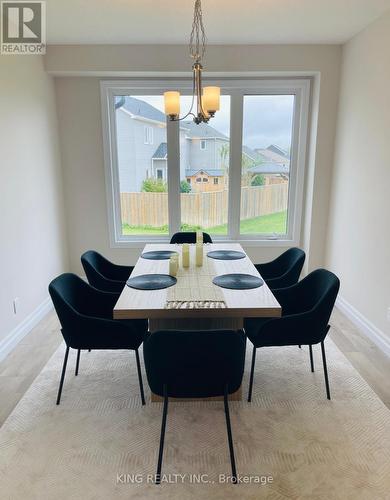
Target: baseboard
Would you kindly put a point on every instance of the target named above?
(21, 330)
(364, 325)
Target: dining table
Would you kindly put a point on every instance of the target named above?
(194, 302)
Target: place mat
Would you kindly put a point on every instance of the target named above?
(195, 289)
(238, 281)
(158, 255)
(226, 255)
(151, 281)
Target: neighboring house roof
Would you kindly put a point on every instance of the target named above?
(270, 155)
(190, 172)
(278, 150)
(252, 154)
(269, 168)
(140, 108)
(202, 131)
(161, 152)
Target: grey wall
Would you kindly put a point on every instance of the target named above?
(78, 101)
(33, 247)
(359, 223)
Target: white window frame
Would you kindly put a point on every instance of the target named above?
(236, 88)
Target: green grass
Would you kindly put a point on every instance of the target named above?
(273, 223)
(266, 224)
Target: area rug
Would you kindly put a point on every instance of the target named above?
(290, 442)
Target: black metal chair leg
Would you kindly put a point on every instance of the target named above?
(300, 347)
(141, 386)
(77, 363)
(62, 375)
(230, 437)
(311, 358)
(89, 350)
(252, 374)
(163, 425)
(325, 370)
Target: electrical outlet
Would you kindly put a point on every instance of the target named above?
(16, 305)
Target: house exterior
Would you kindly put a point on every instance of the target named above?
(142, 149)
(206, 180)
(274, 154)
(273, 173)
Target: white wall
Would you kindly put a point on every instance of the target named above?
(78, 103)
(33, 244)
(359, 223)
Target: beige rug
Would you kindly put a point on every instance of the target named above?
(100, 438)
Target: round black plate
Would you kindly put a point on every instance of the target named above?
(238, 281)
(226, 255)
(151, 281)
(158, 255)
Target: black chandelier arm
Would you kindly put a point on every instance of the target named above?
(186, 116)
(191, 107)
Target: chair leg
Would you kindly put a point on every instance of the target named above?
(300, 347)
(89, 350)
(325, 370)
(77, 363)
(141, 386)
(162, 436)
(252, 374)
(62, 375)
(230, 437)
(311, 358)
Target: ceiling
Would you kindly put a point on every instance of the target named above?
(226, 21)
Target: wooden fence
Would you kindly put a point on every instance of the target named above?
(207, 209)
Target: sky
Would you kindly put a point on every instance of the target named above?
(267, 119)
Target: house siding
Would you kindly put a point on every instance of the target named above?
(134, 156)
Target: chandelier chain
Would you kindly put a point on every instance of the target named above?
(197, 45)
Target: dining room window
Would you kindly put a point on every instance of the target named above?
(255, 156)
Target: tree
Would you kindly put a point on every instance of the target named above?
(185, 187)
(224, 155)
(258, 180)
(154, 186)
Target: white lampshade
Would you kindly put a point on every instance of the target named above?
(172, 103)
(210, 98)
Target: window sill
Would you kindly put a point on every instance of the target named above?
(269, 242)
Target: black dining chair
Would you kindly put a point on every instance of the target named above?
(85, 314)
(189, 237)
(306, 309)
(103, 274)
(285, 270)
(195, 364)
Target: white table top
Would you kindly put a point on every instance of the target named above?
(257, 302)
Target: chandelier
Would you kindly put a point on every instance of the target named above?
(207, 99)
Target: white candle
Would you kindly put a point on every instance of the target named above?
(186, 255)
(173, 265)
(199, 254)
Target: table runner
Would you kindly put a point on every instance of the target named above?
(194, 288)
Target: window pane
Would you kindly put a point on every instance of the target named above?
(142, 164)
(204, 170)
(265, 171)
